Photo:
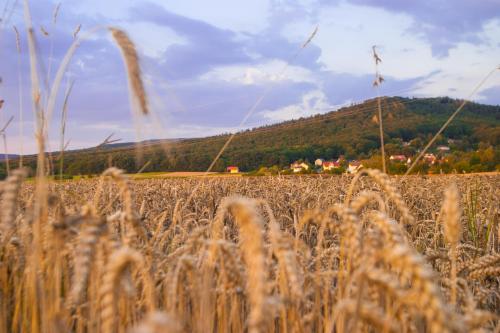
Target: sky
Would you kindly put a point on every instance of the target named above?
(206, 64)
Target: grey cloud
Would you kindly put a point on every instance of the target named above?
(491, 95)
(444, 23)
(207, 46)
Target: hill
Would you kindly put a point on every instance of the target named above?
(9, 156)
(351, 131)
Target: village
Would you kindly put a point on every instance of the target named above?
(342, 165)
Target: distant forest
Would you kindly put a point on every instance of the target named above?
(351, 131)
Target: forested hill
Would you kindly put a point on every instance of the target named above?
(351, 131)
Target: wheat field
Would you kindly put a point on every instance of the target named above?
(363, 253)
(369, 253)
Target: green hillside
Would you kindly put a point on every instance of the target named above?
(351, 131)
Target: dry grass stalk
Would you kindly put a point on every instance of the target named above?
(44, 32)
(64, 117)
(55, 14)
(76, 31)
(378, 81)
(20, 94)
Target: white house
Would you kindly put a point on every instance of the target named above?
(299, 166)
(443, 149)
(319, 162)
(354, 166)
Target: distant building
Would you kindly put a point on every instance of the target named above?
(232, 169)
(319, 162)
(443, 149)
(354, 166)
(330, 165)
(398, 158)
(299, 166)
(430, 159)
(444, 160)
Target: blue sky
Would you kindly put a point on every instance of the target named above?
(205, 63)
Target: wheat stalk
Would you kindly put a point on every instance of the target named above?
(250, 224)
(119, 262)
(452, 232)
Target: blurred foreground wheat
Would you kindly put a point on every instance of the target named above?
(274, 254)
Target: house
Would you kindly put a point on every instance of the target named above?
(398, 158)
(319, 162)
(443, 149)
(299, 166)
(430, 159)
(330, 165)
(232, 169)
(354, 166)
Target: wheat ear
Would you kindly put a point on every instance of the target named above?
(158, 322)
(131, 60)
(89, 236)
(383, 180)
(11, 188)
(118, 264)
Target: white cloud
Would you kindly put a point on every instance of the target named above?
(152, 39)
(312, 103)
(348, 32)
(466, 65)
(269, 71)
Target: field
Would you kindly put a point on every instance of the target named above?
(177, 174)
(256, 254)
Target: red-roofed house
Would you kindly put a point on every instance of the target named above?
(398, 158)
(232, 169)
(330, 165)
